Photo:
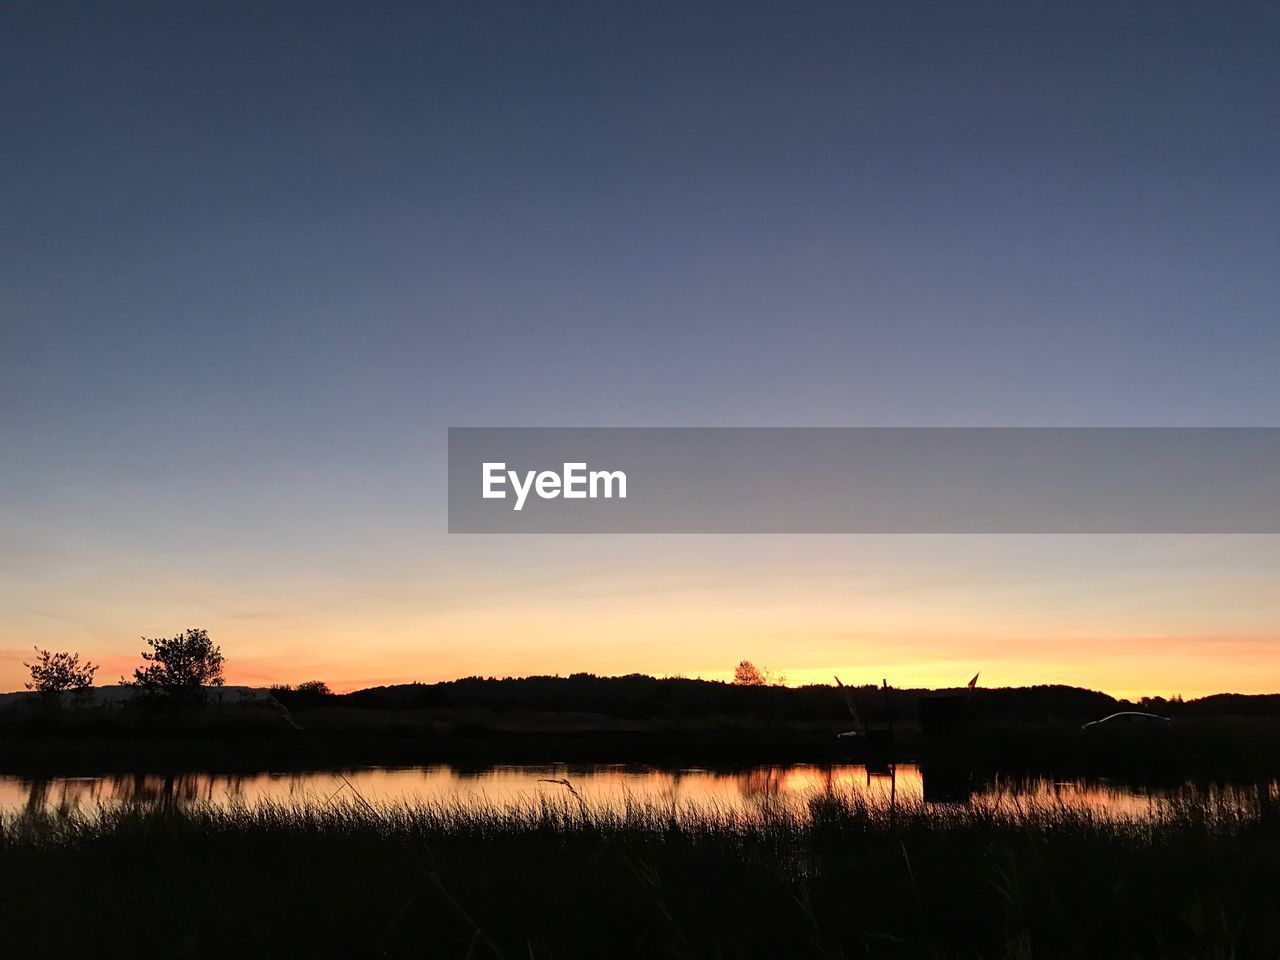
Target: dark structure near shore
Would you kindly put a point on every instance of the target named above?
(946, 714)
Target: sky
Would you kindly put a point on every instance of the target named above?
(256, 258)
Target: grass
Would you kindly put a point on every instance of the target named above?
(564, 879)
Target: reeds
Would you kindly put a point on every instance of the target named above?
(559, 876)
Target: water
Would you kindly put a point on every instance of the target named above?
(604, 786)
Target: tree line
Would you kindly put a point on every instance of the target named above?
(176, 669)
(182, 666)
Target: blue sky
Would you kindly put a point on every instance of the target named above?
(255, 258)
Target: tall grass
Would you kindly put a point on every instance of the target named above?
(562, 878)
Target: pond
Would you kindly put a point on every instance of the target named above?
(610, 787)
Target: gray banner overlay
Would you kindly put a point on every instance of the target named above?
(864, 480)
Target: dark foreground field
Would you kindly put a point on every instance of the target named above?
(564, 881)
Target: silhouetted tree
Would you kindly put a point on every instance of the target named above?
(747, 674)
(179, 668)
(310, 693)
(52, 673)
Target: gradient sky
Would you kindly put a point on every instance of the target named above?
(256, 257)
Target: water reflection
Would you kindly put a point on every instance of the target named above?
(610, 787)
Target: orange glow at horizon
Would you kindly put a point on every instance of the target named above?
(1127, 616)
(1122, 667)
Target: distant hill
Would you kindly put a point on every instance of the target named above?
(642, 697)
(114, 694)
(1234, 704)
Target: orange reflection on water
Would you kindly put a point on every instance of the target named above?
(603, 787)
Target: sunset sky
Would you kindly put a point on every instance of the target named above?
(256, 258)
